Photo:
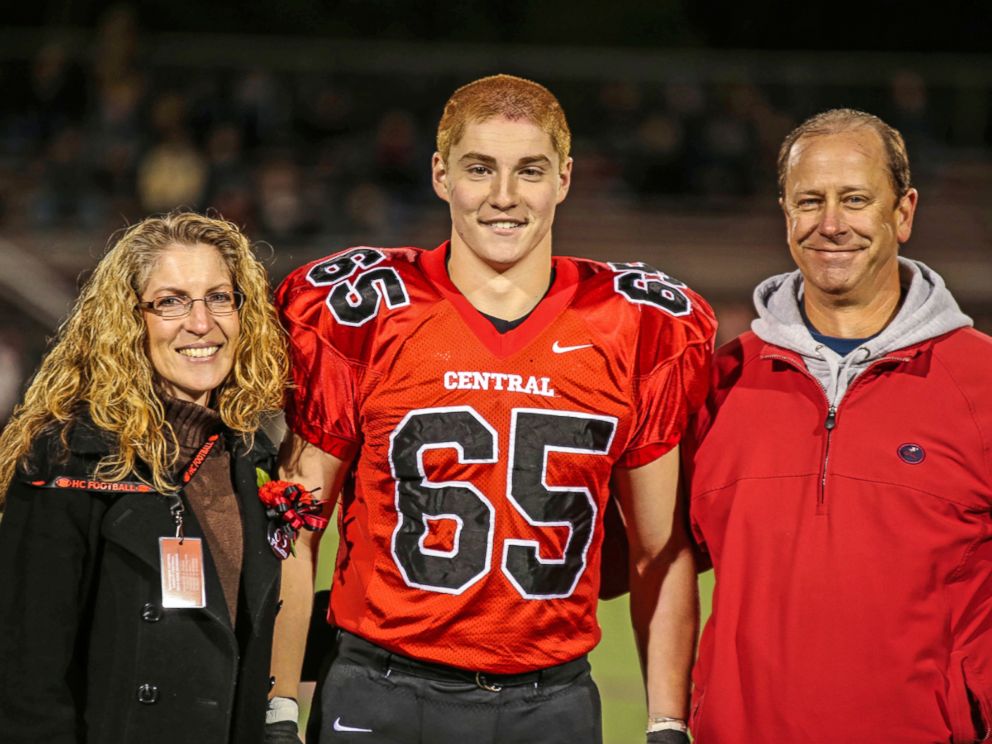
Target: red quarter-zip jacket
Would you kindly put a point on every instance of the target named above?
(852, 547)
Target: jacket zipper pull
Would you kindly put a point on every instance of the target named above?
(831, 418)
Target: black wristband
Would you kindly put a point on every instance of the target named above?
(282, 732)
(669, 736)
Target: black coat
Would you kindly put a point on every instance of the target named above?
(87, 653)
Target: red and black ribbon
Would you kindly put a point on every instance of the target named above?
(290, 508)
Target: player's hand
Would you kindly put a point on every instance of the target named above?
(667, 737)
(282, 732)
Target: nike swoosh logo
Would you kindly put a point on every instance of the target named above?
(338, 726)
(559, 349)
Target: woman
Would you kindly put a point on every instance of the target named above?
(140, 425)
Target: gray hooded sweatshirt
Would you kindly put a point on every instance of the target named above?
(928, 310)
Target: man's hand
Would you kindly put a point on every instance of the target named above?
(287, 732)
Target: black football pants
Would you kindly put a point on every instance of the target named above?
(370, 696)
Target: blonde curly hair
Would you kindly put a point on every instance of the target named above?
(99, 356)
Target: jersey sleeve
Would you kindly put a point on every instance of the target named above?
(675, 355)
(321, 405)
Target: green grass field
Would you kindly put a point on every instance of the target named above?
(614, 661)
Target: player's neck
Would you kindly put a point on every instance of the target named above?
(506, 292)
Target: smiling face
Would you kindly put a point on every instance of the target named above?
(843, 218)
(191, 355)
(502, 180)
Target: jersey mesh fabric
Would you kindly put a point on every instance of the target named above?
(471, 521)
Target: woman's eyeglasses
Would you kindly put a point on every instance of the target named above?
(179, 306)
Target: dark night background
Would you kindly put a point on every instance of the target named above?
(311, 122)
(959, 26)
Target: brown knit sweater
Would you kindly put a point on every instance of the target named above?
(211, 494)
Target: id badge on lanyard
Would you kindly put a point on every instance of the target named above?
(181, 557)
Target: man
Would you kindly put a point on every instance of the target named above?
(840, 476)
(471, 404)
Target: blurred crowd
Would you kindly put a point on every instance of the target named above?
(95, 138)
(88, 138)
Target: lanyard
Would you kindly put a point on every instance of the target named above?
(69, 483)
(175, 502)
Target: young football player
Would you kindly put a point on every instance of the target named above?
(471, 405)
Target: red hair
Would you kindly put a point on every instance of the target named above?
(503, 95)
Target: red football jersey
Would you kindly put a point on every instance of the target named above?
(471, 520)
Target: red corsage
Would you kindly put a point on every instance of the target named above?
(290, 508)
